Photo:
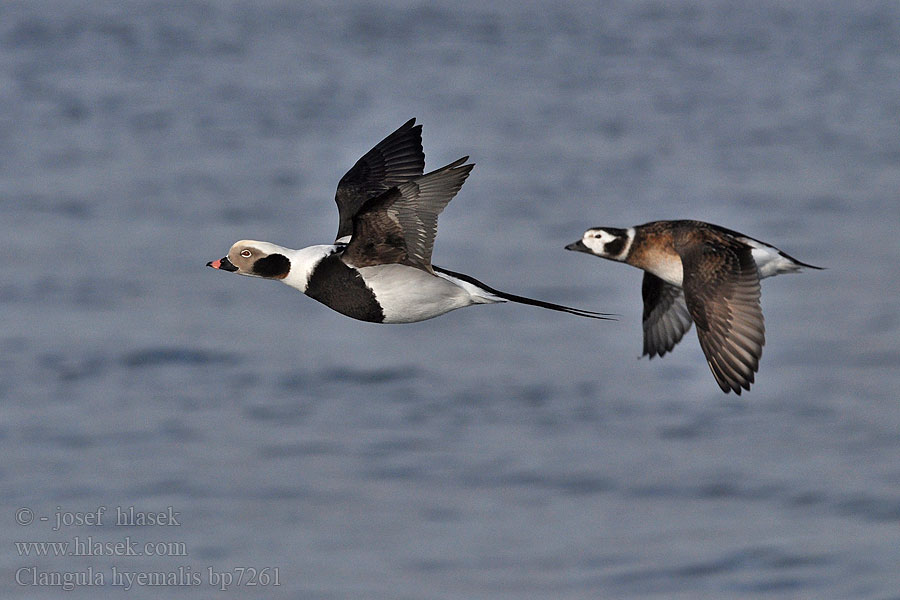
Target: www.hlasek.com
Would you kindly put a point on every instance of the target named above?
(88, 546)
(181, 576)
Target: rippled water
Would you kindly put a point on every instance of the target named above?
(498, 451)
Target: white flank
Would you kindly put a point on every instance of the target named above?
(408, 295)
(478, 295)
(670, 270)
(769, 260)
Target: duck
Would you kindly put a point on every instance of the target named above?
(379, 267)
(698, 272)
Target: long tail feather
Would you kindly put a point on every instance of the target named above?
(524, 300)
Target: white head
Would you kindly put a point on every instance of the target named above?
(607, 242)
(270, 261)
(255, 259)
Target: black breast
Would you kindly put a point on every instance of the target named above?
(341, 288)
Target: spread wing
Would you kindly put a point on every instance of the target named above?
(399, 226)
(721, 288)
(395, 159)
(666, 316)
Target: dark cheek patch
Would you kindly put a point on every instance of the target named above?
(274, 266)
(615, 247)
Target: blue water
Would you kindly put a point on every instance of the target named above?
(497, 451)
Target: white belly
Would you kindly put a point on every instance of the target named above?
(408, 295)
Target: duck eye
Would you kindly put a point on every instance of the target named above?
(246, 253)
(597, 235)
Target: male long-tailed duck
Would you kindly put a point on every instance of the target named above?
(379, 268)
(702, 273)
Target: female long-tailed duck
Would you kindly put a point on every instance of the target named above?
(379, 268)
(702, 273)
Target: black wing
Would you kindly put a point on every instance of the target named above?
(666, 316)
(394, 160)
(400, 225)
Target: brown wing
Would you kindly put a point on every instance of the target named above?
(400, 225)
(395, 159)
(666, 316)
(377, 234)
(721, 288)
